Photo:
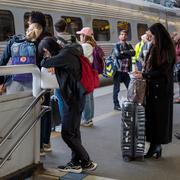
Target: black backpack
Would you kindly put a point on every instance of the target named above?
(72, 42)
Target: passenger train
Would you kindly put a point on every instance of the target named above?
(106, 18)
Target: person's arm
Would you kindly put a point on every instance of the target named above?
(60, 60)
(157, 73)
(88, 51)
(55, 61)
(122, 54)
(127, 53)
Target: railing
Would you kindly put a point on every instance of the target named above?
(20, 69)
(18, 142)
(22, 117)
(36, 91)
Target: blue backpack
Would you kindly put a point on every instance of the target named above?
(110, 67)
(23, 52)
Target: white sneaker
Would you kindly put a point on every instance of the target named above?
(90, 167)
(42, 153)
(87, 123)
(47, 147)
(70, 167)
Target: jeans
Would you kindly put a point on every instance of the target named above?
(46, 123)
(88, 112)
(139, 65)
(60, 100)
(117, 79)
(71, 131)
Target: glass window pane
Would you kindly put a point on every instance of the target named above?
(141, 29)
(74, 24)
(101, 29)
(123, 25)
(49, 22)
(6, 25)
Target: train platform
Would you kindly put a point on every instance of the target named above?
(102, 142)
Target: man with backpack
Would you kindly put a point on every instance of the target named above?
(63, 39)
(123, 53)
(23, 50)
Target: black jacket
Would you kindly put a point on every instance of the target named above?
(68, 72)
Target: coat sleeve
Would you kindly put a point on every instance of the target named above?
(56, 61)
(159, 72)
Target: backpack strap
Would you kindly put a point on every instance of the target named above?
(62, 40)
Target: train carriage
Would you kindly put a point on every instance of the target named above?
(106, 18)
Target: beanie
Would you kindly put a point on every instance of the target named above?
(38, 17)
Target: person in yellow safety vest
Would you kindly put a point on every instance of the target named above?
(136, 62)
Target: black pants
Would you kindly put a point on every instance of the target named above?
(117, 79)
(46, 123)
(71, 131)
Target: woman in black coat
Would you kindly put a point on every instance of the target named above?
(159, 96)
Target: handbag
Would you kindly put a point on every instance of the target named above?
(136, 90)
(48, 80)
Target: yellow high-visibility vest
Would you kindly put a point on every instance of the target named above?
(137, 49)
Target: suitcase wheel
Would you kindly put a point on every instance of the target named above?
(126, 158)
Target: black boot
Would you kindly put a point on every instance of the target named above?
(154, 149)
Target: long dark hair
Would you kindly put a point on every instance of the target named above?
(164, 47)
(50, 44)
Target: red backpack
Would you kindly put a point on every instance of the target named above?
(89, 78)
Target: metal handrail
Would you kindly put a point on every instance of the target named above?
(22, 117)
(18, 142)
(21, 69)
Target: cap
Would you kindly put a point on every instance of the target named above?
(87, 31)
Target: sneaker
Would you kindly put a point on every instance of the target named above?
(70, 167)
(90, 167)
(42, 153)
(177, 135)
(47, 147)
(118, 108)
(87, 123)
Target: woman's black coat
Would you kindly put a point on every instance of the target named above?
(159, 104)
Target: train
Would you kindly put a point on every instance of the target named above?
(105, 17)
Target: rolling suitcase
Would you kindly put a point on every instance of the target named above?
(133, 131)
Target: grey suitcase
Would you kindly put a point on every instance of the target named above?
(133, 131)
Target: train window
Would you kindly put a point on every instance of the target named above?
(74, 24)
(123, 25)
(6, 25)
(49, 22)
(141, 29)
(101, 29)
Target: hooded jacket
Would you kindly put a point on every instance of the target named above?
(68, 72)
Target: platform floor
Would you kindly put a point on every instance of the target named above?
(102, 141)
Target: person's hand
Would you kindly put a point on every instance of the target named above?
(137, 74)
(51, 70)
